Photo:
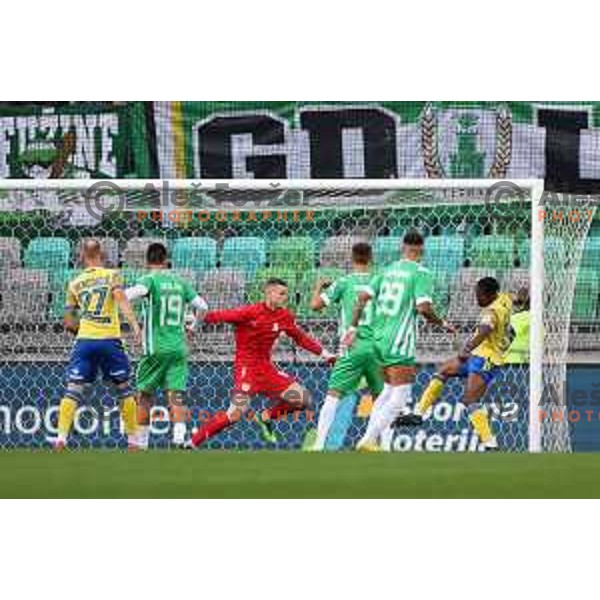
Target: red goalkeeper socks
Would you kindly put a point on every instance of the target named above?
(219, 422)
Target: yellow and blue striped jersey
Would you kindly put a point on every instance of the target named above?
(497, 316)
(91, 292)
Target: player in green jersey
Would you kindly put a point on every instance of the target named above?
(164, 364)
(360, 360)
(400, 293)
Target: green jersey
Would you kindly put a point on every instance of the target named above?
(163, 312)
(396, 291)
(344, 292)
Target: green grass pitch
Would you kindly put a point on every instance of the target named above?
(216, 474)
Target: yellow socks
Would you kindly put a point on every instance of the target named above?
(481, 424)
(129, 415)
(430, 396)
(66, 416)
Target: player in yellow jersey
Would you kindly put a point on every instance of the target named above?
(479, 362)
(94, 298)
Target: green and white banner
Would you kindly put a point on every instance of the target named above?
(276, 140)
(78, 139)
(557, 142)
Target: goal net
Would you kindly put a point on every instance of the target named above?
(228, 238)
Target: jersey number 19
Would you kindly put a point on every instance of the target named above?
(171, 311)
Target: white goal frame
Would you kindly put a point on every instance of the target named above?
(534, 186)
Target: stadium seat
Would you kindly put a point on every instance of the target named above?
(554, 253)
(25, 295)
(493, 251)
(189, 275)
(296, 251)
(591, 253)
(134, 255)
(305, 288)
(244, 253)
(196, 253)
(10, 253)
(337, 251)
(223, 288)
(110, 247)
(48, 253)
(444, 253)
(585, 301)
(387, 249)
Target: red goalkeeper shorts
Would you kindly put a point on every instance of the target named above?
(261, 379)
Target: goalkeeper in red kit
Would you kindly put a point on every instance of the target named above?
(257, 327)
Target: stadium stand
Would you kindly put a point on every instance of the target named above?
(223, 288)
(445, 253)
(134, 255)
(10, 253)
(296, 251)
(244, 253)
(385, 249)
(198, 254)
(492, 251)
(25, 296)
(238, 272)
(335, 251)
(48, 253)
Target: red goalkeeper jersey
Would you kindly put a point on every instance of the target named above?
(257, 327)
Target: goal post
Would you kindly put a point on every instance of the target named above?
(245, 230)
(536, 340)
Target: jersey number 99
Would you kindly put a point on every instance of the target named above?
(389, 300)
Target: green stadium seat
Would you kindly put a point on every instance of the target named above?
(493, 251)
(247, 254)
(444, 253)
(195, 253)
(554, 253)
(48, 253)
(387, 249)
(296, 251)
(306, 287)
(585, 301)
(591, 253)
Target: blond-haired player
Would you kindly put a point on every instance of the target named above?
(94, 298)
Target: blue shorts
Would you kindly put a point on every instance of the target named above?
(89, 356)
(479, 366)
